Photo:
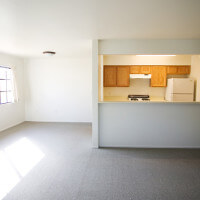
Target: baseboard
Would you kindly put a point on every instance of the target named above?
(11, 126)
(96, 147)
(89, 123)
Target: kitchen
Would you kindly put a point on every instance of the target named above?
(154, 122)
(147, 78)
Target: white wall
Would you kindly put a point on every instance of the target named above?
(146, 60)
(195, 67)
(95, 114)
(13, 114)
(58, 89)
(195, 73)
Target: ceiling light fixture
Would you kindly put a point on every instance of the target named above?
(49, 53)
(155, 55)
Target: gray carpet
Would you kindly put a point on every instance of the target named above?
(71, 170)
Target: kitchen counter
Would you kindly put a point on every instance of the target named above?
(122, 99)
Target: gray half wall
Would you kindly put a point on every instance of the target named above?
(149, 46)
(149, 125)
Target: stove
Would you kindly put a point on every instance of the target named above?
(133, 97)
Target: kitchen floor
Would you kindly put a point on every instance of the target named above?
(44, 161)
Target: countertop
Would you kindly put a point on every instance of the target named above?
(122, 99)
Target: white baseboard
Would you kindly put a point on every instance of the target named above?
(11, 126)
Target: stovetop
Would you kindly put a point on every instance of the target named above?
(135, 97)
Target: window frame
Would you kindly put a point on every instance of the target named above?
(6, 91)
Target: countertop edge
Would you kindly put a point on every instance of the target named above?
(150, 102)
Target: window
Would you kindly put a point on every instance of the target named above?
(6, 85)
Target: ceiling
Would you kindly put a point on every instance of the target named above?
(28, 27)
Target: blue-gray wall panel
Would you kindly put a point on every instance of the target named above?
(149, 125)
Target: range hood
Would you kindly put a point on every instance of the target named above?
(143, 76)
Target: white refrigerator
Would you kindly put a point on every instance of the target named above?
(180, 90)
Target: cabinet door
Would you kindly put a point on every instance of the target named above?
(145, 70)
(123, 76)
(158, 76)
(110, 76)
(172, 70)
(135, 69)
(183, 69)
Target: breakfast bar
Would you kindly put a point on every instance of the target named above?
(149, 124)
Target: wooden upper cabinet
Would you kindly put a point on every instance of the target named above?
(172, 70)
(140, 69)
(145, 70)
(176, 70)
(116, 76)
(158, 76)
(123, 76)
(135, 69)
(110, 76)
(183, 70)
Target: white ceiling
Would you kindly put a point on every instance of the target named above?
(29, 27)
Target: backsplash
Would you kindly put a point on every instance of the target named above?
(139, 86)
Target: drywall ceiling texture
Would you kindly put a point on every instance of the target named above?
(58, 90)
(65, 25)
(12, 114)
